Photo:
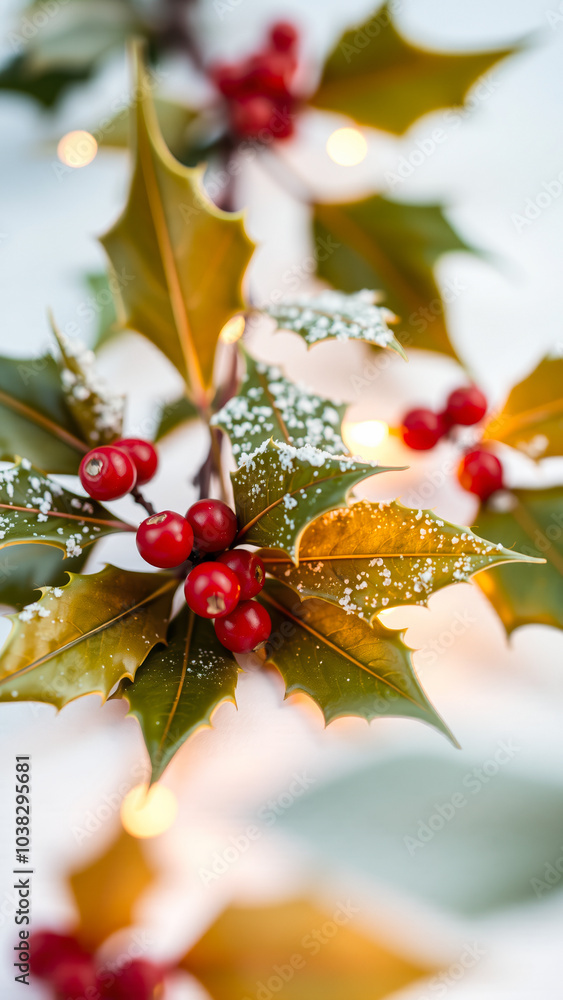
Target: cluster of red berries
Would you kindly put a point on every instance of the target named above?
(222, 586)
(480, 471)
(258, 89)
(72, 971)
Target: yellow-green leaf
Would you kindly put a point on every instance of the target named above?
(333, 315)
(532, 417)
(173, 119)
(323, 954)
(34, 508)
(532, 522)
(346, 665)
(278, 489)
(84, 637)
(107, 890)
(379, 79)
(270, 406)
(179, 687)
(372, 556)
(186, 256)
(98, 414)
(392, 246)
(26, 568)
(35, 420)
(172, 415)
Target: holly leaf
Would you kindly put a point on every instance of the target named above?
(84, 637)
(270, 406)
(26, 568)
(36, 509)
(378, 243)
(173, 414)
(377, 78)
(101, 305)
(46, 84)
(119, 878)
(246, 944)
(35, 419)
(333, 315)
(178, 688)
(176, 242)
(98, 414)
(173, 118)
(531, 420)
(371, 556)
(278, 489)
(532, 521)
(346, 665)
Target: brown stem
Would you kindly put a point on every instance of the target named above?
(139, 498)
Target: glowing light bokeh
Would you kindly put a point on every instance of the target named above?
(365, 437)
(146, 813)
(77, 149)
(233, 330)
(347, 147)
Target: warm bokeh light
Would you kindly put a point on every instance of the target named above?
(77, 149)
(365, 438)
(233, 330)
(146, 813)
(347, 147)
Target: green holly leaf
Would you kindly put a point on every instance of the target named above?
(532, 522)
(26, 568)
(176, 242)
(270, 406)
(531, 420)
(179, 687)
(371, 556)
(36, 509)
(47, 85)
(173, 414)
(346, 665)
(278, 489)
(333, 315)
(35, 419)
(85, 637)
(391, 246)
(98, 414)
(101, 306)
(377, 78)
(174, 120)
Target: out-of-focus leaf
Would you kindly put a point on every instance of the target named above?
(173, 119)
(101, 306)
(45, 85)
(344, 664)
(532, 522)
(270, 406)
(248, 946)
(173, 414)
(35, 420)
(98, 414)
(278, 489)
(177, 245)
(391, 246)
(333, 315)
(371, 556)
(532, 417)
(179, 687)
(26, 568)
(467, 834)
(107, 890)
(376, 77)
(84, 637)
(35, 509)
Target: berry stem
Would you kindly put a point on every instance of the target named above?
(139, 498)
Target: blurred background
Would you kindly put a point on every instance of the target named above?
(369, 816)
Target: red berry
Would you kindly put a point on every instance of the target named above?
(75, 979)
(214, 525)
(47, 950)
(252, 115)
(284, 36)
(229, 78)
(248, 569)
(107, 473)
(466, 406)
(165, 540)
(212, 590)
(269, 74)
(480, 472)
(137, 981)
(143, 455)
(422, 429)
(247, 627)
